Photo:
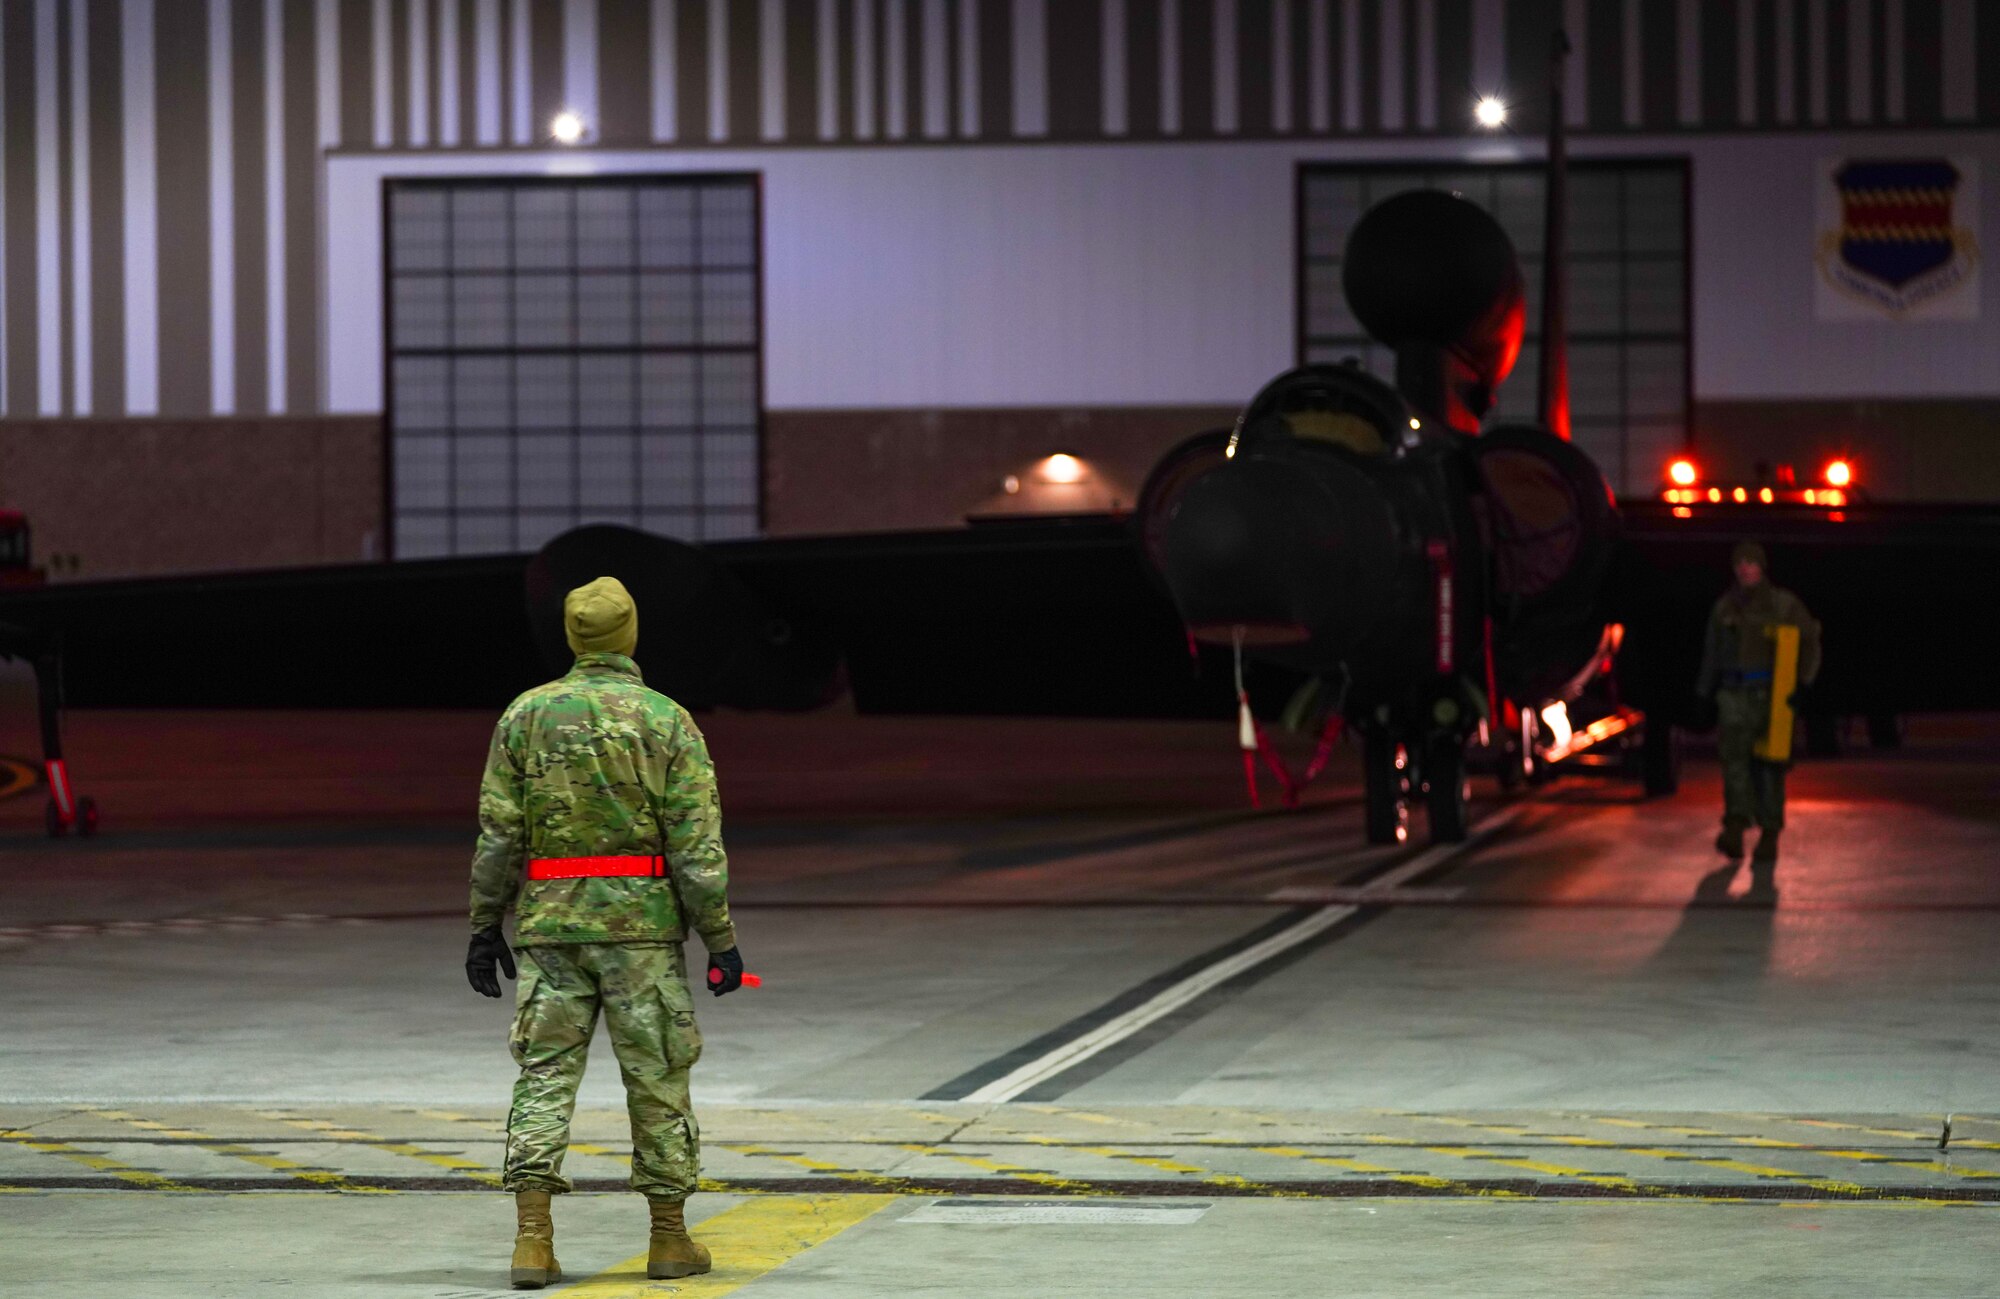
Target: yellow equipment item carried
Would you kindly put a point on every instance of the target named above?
(1776, 746)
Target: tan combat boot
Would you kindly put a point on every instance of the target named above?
(673, 1252)
(534, 1242)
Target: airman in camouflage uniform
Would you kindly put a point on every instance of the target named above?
(600, 827)
(1738, 656)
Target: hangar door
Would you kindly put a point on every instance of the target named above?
(564, 351)
(1628, 304)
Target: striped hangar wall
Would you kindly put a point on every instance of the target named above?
(160, 241)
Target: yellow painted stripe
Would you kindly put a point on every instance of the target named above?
(477, 1172)
(1861, 1156)
(332, 1181)
(1529, 1165)
(1086, 1115)
(1928, 1138)
(1205, 1175)
(1682, 1156)
(1050, 1180)
(747, 1241)
(1394, 1175)
(579, 1147)
(818, 1165)
(453, 1116)
(99, 1163)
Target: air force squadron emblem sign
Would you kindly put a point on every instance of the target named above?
(1896, 240)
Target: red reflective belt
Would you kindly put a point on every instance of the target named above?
(572, 868)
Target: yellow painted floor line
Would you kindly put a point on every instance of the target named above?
(1861, 1156)
(817, 1165)
(453, 1116)
(1559, 1170)
(1207, 1176)
(1832, 1185)
(1050, 1180)
(1530, 1165)
(469, 1168)
(332, 1181)
(98, 1163)
(580, 1147)
(1087, 1116)
(1395, 1175)
(1928, 1138)
(754, 1238)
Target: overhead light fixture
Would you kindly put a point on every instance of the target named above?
(567, 127)
(1490, 112)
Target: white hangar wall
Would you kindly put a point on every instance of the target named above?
(1143, 275)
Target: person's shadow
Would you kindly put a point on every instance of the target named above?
(1720, 937)
(1713, 890)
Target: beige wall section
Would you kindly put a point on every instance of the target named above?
(135, 497)
(873, 470)
(1930, 451)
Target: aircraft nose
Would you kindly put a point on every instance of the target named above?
(1289, 549)
(1231, 551)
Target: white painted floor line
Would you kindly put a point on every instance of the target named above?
(1171, 999)
(1438, 853)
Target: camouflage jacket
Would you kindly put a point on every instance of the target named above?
(1739, 638)
(597, 765)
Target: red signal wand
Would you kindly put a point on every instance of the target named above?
(749, 980)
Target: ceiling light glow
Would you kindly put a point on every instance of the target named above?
(1062, 468)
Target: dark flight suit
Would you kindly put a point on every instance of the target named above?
(1736, 665)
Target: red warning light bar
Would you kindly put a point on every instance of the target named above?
(1684, 489)
(1821, 496)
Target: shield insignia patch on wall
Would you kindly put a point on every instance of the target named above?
(1901, 243)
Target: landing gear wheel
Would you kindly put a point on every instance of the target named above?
(1509, 771)
(86, 817)
(1385, 788)
(53, 818)
(1444, 789)
(1659, 759)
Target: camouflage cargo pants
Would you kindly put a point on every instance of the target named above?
(643, 992)
(1753, 791)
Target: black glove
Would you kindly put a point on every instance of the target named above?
(488, 950)
(725, 971)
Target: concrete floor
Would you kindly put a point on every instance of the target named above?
(256, 1245)
(257, 972)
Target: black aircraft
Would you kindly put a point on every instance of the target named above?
(1438, 583)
